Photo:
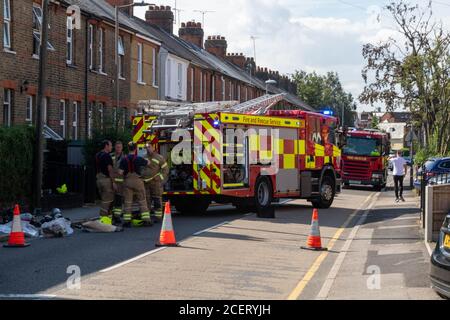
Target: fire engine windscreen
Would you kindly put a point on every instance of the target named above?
(362, 147)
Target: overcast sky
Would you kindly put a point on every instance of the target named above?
(312, 35)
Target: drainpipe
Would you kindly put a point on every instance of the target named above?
(86, 78)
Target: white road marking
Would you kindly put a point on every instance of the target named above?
(132, 260)
(156, 250)
(295, 294)
(328, 284)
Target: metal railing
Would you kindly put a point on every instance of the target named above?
(79, 179)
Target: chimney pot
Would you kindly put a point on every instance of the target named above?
(183, 25)
(161, 16)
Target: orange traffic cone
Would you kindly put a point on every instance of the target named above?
(16, 237)
(167, 237)
(314, 240)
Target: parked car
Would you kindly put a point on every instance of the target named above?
(433, 168)
(440, 262)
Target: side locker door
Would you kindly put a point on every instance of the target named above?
(207, 155)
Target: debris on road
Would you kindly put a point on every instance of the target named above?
(98, 227)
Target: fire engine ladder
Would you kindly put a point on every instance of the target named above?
(258, 106)
(175, 115)
(170, 116)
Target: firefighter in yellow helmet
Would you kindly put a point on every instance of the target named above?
(131, 167)
(154, 177)
(105, 181)
(117, 156)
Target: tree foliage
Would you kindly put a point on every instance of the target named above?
(325, 91)
(412, 72)
(16, 168)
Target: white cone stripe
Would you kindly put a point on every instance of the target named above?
(167, 223)
(17, 224)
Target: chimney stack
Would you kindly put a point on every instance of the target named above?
(217, 45)
(192, 32)
(161, 16)
(128, 10)
(238, 59)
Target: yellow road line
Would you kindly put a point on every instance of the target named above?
(295, 294)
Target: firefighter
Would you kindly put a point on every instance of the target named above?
(117, 156)
(154, 177)
(131, 167)
(105, 181)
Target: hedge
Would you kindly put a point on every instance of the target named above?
(16, 164)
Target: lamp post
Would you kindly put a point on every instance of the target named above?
(273, 82)
(39, 150)
(117, 8)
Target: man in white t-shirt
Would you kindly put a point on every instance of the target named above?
(399, 170)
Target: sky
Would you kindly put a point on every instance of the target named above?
(310, 35)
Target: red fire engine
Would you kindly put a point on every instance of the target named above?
(364, 158)
(280, 154)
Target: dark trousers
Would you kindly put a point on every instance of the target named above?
(398, 182)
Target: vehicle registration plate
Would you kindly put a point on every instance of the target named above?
(354, 182)
(447, 241)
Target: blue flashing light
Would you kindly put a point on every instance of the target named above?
(216, 123)
(328, 112)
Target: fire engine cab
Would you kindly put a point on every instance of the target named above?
(364, 159)
(244, 154)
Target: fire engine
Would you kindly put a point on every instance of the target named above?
(364, 158)
(244, 154)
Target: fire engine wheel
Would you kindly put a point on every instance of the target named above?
(263, 193)
(327, 194)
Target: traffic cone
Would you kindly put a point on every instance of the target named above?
(314, 240)
(167, 237)
(16, 237)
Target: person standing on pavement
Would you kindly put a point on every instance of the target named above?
(154, 177)
(400, 166)
(131, 167)
(105, 181)
(117, 156)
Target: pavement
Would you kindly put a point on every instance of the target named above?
(376, 251)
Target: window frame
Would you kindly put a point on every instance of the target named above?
(223, 89)
(101, 46)
(155, 82)
(69, 41)
(180, 79)
(62, 122)
(90, 119)
(75, 116)
(7, 24)
(201, 87)
(7, 105)
(192, 83)
(140, 64)
(91, 39)
(37, 28)
(29, 109)
(121, 51)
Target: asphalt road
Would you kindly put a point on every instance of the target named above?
(228, 255)
(44, 264)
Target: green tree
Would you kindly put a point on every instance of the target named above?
(413, 71)
(322, 91)
(375, 122)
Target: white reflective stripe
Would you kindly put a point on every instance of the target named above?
(155, 161)
(17, 225)
(164, 165)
